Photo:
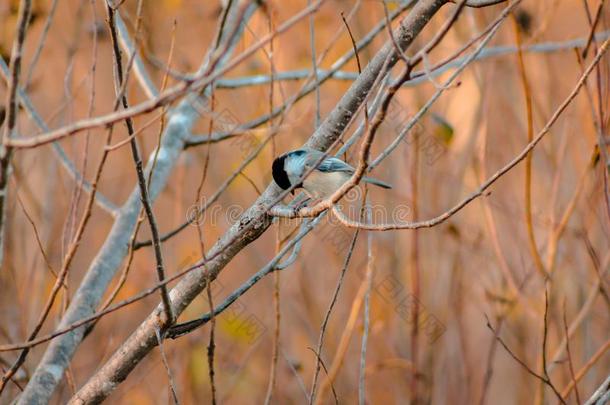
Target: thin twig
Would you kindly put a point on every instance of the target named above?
(343, 344)
(321, 363)
(314, 65)
(593, 25)
(331, 305)
(276, 279)
(41, 43)
(6, 152)
(139, 69)
(370, 269)
(37, 236)
(582, 313)
(600, 120)
(584, 369)
(545, 333)
(570, 361)
(528, 160)
(168, 370)
(544, 379)
(169, 317)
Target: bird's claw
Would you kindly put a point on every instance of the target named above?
(300, 205)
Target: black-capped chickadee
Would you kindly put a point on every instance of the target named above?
(327, 176)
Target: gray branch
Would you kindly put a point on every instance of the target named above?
(487, 53)
(254, 221)
(147, 84)
(601, 396)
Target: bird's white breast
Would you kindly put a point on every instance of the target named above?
(323, 184)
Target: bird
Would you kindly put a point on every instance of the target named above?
(319, 175)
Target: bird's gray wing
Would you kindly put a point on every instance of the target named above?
(332, 164)
(328, 164)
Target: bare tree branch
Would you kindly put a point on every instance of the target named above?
(418, 76)
(139, 68)
(135, 151)
(6, 152)
(601, 396)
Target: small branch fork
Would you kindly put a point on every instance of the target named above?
(544, 378)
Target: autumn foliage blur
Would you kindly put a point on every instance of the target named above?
(434, 290)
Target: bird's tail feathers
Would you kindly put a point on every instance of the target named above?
(376, 182)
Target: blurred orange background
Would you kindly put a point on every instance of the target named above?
(457, 271)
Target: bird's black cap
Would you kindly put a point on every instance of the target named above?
(279, 173)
